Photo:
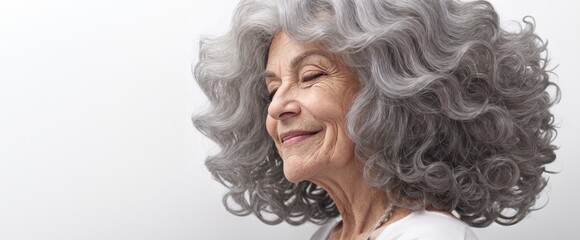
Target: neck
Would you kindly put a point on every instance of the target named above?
(359, 204)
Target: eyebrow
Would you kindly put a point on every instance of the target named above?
(298, 59)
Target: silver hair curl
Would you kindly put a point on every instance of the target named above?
(453, 110)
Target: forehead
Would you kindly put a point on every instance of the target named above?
(283, 50)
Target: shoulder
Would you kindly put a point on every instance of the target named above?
(427, 225)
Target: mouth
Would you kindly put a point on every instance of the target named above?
(293, 137)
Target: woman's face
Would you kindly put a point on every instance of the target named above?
(311, 92)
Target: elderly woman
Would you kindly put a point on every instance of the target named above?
(385, 119)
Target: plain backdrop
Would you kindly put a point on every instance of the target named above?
(96, 140)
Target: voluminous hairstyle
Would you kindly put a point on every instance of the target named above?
(453, 110)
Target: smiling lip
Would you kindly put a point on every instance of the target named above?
(293, 137)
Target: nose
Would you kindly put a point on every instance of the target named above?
(284, 104)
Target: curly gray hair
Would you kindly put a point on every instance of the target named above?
(453, 110)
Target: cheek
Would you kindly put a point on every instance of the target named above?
(329, 111)
(329, 102)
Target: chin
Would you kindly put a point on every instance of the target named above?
(293, 176)
(295, 171)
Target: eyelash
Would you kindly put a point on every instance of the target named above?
(313, 76)
(271, 95)
(305, 79)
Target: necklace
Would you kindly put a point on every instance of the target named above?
(384, 218)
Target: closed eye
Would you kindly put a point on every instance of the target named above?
(271, 96)
(313, 76)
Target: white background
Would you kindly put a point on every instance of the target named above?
(95, 134)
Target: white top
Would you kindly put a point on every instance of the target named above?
(418, 225)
